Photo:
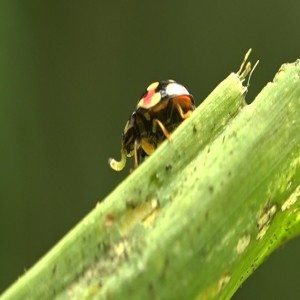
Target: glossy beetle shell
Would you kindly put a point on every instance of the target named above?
(161, 108)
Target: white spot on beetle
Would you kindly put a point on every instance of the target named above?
(174, 89)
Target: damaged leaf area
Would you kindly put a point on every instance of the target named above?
(199, 215)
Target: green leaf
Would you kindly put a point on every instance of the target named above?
(198, 216)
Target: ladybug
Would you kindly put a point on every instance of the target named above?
(160, 110)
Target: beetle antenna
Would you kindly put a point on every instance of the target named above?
(118, 165)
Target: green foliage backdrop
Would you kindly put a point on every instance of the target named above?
(70, 75)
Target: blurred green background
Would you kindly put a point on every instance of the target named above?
(70, 75)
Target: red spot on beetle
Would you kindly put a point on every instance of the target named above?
(147, 99)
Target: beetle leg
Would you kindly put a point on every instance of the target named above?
(183, 115)
(118, 165)
(137, 153)
(163, 129)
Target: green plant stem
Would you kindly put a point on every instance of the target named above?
(198, 217)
